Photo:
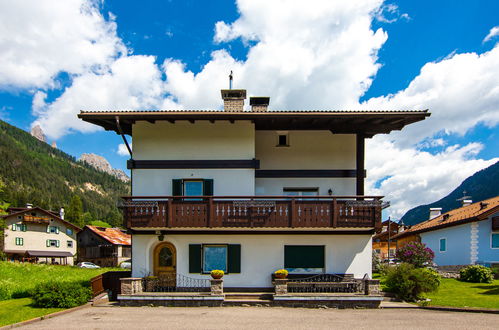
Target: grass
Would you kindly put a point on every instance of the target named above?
(17, 310)
(455, 293)
(17, 279)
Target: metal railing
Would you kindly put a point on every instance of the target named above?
(175, 283)
(325, 283)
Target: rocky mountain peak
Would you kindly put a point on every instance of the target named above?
(37, 132)
(100, 163)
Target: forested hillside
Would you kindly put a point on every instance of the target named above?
(34, 172)
(481, 185)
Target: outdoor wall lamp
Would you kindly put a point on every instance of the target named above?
(330, 192)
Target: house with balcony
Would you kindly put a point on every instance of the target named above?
(32, 234)
(106, 247)
(250, 191)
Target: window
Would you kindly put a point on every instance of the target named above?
(300, 191)
(53, 229)
(304, 258)
(192, 187)
(443, 245)
(19, 227)
(19, 241)
(282, 140)
(69, 231)
(495, 240)
(70, 244)
(53, 243)
(203, 258)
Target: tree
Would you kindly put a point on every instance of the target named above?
(416, 254)
(74, 213)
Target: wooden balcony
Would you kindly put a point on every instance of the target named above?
(142, 212)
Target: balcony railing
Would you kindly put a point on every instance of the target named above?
(252, 212)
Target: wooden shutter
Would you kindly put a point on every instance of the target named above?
(208, 187)
(304, 256)
(48, 229)
(57, 243)
(57, 230)
(14, 226)
(48, 243)
(177, 187)
(24, 227)
(195, 258)
(234, 258)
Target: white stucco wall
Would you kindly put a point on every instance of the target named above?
(201, 140)
(275, 186)
(308, 150)
(260, 254)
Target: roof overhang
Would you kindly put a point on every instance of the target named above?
(368, 123)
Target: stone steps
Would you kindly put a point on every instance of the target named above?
(250, 296)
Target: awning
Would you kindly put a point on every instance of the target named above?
(55, 254)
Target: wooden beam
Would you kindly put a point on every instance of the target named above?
(360, 148)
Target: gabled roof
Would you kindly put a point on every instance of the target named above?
(473, 212)
(112, 235)
(368, 123)
(51, 214)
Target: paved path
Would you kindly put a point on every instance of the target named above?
(263, 318)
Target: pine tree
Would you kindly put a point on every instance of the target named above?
(74, 213)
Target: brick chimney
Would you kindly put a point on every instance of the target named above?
(234, 99)
(259, 104)
(435, 212)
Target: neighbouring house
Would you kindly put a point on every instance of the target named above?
(464, 236)
(250, 191)
(33, 234)
(107, 247)
(383, 243)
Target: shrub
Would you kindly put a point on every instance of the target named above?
(476, 274)
(408, 282)
(416, 254)
(60, 294)
(376, 262)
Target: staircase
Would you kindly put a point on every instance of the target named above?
(248, 299)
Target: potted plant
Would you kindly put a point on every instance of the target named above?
(217, 274)
(281, 273)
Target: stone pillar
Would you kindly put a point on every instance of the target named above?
(131, 285)
(281, 285)
(217, 286)
(372, 287)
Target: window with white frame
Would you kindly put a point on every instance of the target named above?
(300, 191)
(53, 243)
(70, 244)
(19, 241)
(442, 245)
(19, 227)
(53, 229)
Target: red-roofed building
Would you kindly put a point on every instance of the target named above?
(107, 247)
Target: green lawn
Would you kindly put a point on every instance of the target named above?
(16, 279)
(463, 294)
(17, 310)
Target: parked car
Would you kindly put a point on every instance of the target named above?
(392, 261)
(87, 264)
(127, 264)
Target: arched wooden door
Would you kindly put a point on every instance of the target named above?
(165, 260)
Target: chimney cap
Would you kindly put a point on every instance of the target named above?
(29, 205)
(435, 209)
(233, 93)
(259, 100)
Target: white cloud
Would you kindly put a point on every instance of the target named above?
(410, 177)
(40, 39)
(494, 32)
(390, 13)
(132, 82)
(122, 149)
(460, 91)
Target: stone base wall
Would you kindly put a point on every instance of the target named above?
(171, 303)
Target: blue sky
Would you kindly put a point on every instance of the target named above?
(372, 54)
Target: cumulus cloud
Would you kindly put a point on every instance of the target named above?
(390, 13)
(122, 149)
(40, 39)
(494, 32)
(132, 82)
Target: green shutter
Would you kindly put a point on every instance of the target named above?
(304, 256)
(21, 240)
(57, 230)
(177, 187)
(24, 227)
(48, 243)
(208, 187)
(234, 258)
(195, 258)
(57, 243)
(48, 229)
(14, 227)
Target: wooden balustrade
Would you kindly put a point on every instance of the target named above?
(252, 211)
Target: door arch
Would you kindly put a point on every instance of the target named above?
(165, 259)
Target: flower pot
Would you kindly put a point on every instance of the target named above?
(280, 276)
(217, 276)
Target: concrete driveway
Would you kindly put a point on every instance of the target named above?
(263, 318)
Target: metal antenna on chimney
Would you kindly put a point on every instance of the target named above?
(230, 80)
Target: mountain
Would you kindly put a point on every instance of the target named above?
(34, 172)
(101, 164)
(481, 185)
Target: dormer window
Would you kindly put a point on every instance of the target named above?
(282, 139)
